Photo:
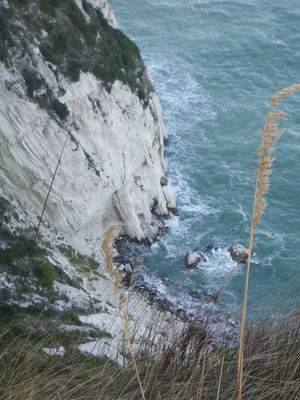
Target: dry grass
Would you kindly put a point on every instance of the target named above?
(270, 137)
(192, 367)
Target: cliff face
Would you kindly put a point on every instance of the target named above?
(113, 161)
(75, 103)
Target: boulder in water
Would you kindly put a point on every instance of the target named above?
(238, 253)
(193, 258)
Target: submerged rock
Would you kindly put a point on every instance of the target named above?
(211, 247)
(165, 281)
(204, 295)
(213, 296)
(197, 294)
(238, 253)
(193, 258)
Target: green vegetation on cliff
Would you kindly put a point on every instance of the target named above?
(72, 42)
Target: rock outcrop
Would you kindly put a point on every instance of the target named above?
(193, 258)
(239, 253)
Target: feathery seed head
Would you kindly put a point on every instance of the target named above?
(270, 137)
(277, 97)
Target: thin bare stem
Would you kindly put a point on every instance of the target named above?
(220, 377)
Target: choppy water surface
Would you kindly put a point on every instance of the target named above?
(215, 64)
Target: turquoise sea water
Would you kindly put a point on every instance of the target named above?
(215, 65)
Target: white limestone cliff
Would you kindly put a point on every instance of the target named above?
(111, 174)
(124, 140)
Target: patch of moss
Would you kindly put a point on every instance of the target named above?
(4, 206)
(62, 277)
(71, 317)
(5, 38)
(19, 247)
(73, 70)
(49, 6)
(44, 272)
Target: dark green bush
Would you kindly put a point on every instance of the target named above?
(60, 109)
(4, 205)
(73, 70)
(60, 39)
(19, 247)
(44, 272)
(5, 38)
(49, 6)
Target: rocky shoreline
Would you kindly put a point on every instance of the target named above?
(129, 261)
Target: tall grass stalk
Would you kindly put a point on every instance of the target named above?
(220, 377)
(203, 367)
(121, 298)
(270, 138)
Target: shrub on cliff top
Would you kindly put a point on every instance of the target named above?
(73, 43)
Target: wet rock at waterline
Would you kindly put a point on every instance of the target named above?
(164, 181)
(238, 253)
(211, 247)
(125, 268)
(204, 295)
(165, 281)
(193, 258)
(197, 294)
(213, 296)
